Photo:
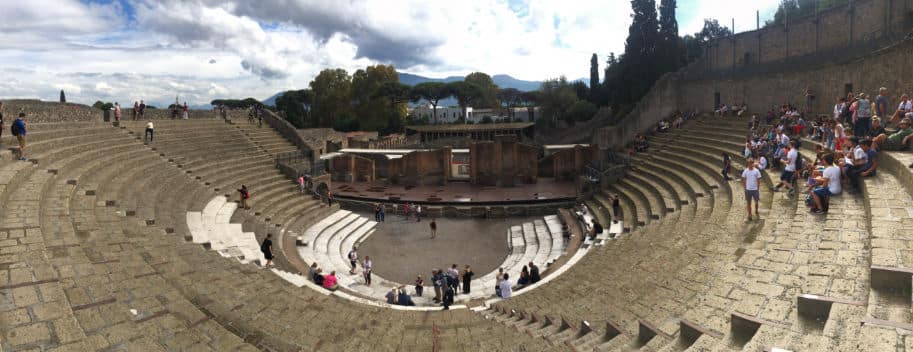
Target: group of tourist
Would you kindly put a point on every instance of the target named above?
(736, 110)
(844, 155)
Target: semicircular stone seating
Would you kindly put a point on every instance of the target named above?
(329, 240)
(97, 252)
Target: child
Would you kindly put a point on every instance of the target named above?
(419, 286)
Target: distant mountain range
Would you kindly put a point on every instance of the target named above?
(503, 81)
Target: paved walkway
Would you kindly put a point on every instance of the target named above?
(408, 249)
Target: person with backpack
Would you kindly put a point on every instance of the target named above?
(142, 109)
(19, 129)
(245, 195)
(267, 248)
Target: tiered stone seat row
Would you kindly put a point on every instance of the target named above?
(115, 280)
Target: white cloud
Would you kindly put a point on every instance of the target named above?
(207, 49)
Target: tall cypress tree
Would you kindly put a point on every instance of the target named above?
(669, 50)
(594, 76)
(640, 51)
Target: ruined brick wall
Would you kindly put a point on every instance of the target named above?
(421, 168)
(861, 25)
(352, 168)
(503, 163)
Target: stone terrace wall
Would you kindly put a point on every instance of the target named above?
(37, 111)
(865, 24)
(889, 68)
(44, 111)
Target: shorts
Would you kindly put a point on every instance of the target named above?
(752, 194)
(787, 176)
(268, 255)
(21, 139)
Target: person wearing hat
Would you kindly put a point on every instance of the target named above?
(863, 116)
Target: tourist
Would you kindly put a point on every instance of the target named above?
(433, 226)
(329, 282)
(418, 213)
(135, 109)
(789, 171)
(899, 140)
(150, 132)
(393, 295)
(366, 266)
(872, 167)
(20, 129)
(727, 164)
(301, 183)
(406, 211)
(250, 115)
(448, 296)
(505, 291)
(467, 279)
(312, 270)
(876, 130)
(419, 285)
(751, 178)
(318, 277)
(839, 136)
(453, 277)
(116, 112)
(185, 116)
(534, 273)
(437, 279)
(596, 229)
(259, 116)
(858, 158)
(353, 260)
(904, 109)
(499, 278)
(762, 163)
(404, 299)
(863, 121)
(881, 102)
(838, 108)
(565, 235)
(862, 169)
(142, 109)
(524, 276)
(376, 213)
(829, 182)
(329, 198)
(267, 248)
(383, 212)
(244, 196)
(616, 208)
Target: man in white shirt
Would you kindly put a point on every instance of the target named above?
(858, 160)
(751, 177)
(505, 287)
(789, 171)
(829, 184)
(904, 109)
(762, 163)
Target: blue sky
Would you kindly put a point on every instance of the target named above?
(201, 50)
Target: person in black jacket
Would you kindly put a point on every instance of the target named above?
(534, 273)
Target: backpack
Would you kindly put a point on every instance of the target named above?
(14, 130)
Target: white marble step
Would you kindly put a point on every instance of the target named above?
(317, 228)
(544, 240)
(327, 232)
(555, 225)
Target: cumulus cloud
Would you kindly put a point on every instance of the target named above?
(207, 49)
